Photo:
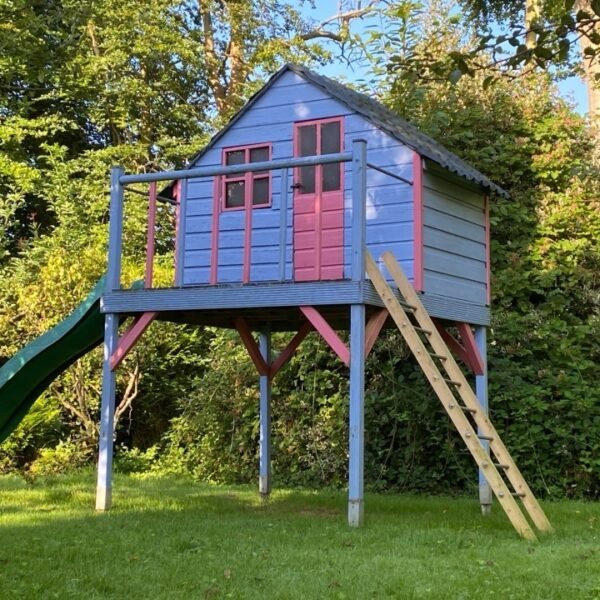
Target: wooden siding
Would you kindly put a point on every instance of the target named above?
(389, 201)
(454, 238)
(271, 119)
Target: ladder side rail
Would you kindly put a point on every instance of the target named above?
(448, 400)
(468, 396)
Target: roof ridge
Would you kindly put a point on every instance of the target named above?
(395, 125)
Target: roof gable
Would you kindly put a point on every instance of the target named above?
(378, 115)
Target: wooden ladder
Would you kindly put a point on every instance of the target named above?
(457, 397)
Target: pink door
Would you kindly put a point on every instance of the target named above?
(318, 203)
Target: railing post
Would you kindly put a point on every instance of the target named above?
(115, 230)
(283, 210)
(359, 208)
(357, 338)
(150, 238)
(180, 242)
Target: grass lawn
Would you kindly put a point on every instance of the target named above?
(170, 538)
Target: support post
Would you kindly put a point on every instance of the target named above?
(264, 478)
(111, 341)
(357, 339)
(357, 415)
(107, 415)
(481, 391)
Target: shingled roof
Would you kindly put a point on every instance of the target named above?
(381, 117)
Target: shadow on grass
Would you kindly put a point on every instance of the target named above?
(57, 501)
(170, 538)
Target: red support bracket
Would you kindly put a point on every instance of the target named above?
(289, 350)
(128, 340)
(253, 350)
(327, 333)
(373, 328)
(475, 360)
(467, 353)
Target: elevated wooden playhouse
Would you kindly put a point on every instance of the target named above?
(316, 208)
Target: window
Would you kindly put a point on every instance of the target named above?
(247, 188)
(316, 139)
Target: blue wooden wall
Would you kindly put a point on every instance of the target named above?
(270, 120)
(454, 238)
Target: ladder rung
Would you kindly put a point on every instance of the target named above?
(439, 356)
(500, 466)
(469, 410)
(456, 383)
(408, 307)
(518, 494)
(487, 438)
(424, 331)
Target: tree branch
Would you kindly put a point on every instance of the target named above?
(343, 18)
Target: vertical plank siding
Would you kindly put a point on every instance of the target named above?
(389, 211)
(454, 240)
(454, 230)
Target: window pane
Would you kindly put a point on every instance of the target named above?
(331, 177)
(235, 157)
(234, 194)
(307, 180)
(330, 138)
(308, 140)
(260, 191)
(308, 147)
(259, 154)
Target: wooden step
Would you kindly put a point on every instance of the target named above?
(446, 396)
(453, 371)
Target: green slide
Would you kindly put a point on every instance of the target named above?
(27, 374)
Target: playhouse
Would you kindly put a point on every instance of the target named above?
(278, 220)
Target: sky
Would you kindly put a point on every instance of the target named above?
(572, 88)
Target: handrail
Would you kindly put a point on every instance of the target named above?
(389, 173)
(305, 161)
(119, 180)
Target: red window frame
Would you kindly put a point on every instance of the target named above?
(318, 180)
(247, 178)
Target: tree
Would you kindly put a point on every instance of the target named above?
(84, 85)
(533, 35)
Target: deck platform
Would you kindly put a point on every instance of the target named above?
(274, 303)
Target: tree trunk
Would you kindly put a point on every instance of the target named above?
(591, 66)
(533, 15)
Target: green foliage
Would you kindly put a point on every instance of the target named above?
(66, 456)
(84, 86)
(82, 89)
(215, 436)
(543, 352)
(504, 38)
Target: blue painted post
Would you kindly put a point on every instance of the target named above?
(283, 216)
(359, 208)
(357, 339)
(111, 339)
(107, 415)
(183, 193)
(264, 478)
(481, 391)
(115, 230)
